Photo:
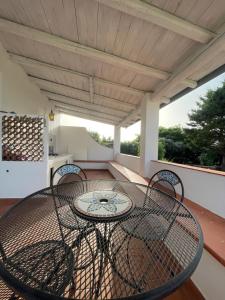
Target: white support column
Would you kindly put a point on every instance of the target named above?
(149, 133)
(116, 143)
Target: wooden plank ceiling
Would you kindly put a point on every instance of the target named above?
(97, 58)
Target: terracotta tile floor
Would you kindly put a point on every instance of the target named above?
(98, 174)
(186, 291)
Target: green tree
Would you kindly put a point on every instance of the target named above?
(175, 144)
(131, 147)
(161, 149)
(95, 136)
(107, 142)
(208, 126)
(175, 133)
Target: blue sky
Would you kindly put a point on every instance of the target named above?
(173, 114)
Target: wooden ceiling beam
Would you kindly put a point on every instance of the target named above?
(29, 62)
(198, 59)
(90, 112)
(162, 18)
(83, 104)
(76, 48)
(192, 64)
(81, 94)
(85, 115)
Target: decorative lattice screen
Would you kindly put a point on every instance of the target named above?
(22, 138)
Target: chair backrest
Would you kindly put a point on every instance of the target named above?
(67, 173)
(168, 182)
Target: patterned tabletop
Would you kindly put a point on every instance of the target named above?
(103, 204)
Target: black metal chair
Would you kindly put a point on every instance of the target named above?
(38, 266)
(67, 173)
(162, 188)
(7, 294)
(168, 182)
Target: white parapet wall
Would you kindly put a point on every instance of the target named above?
(78, 142)
(129, 161)
(206, 188)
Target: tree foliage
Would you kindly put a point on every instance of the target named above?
(203, 142)
(131, 147)
(107, 142)
(208, 126)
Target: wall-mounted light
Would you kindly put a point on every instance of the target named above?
(51, 115)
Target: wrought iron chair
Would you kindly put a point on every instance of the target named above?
(37, 265)
(67, 173)
(7, 294)
(162, 188)
(168, 182)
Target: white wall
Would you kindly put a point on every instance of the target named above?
(205, 189)
(209, 277)
(21, 178)
(201, 187)
(17, 92)
(20, 95)
(129, 161)
(78, 142)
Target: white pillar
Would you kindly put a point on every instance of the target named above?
(116, 142)
(149, 133)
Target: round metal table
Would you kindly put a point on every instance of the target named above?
(100, 239)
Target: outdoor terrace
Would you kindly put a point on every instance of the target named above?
(115, 62)
(187, 291)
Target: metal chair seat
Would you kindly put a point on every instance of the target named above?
(135, 225)
(7, 294)
(44, 265)
(69, 220)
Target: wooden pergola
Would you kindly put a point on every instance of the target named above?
(115, 61)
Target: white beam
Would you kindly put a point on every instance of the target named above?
(76, 48)
(89, 112)
(161, 18)
(191, 83)
(82, 104)
(130, 117)
(81, 94)
(198, 59)
(29, 62)
(83, 115)
(192, 64)
(165, 100)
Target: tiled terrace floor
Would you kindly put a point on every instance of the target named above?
(185, 292)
